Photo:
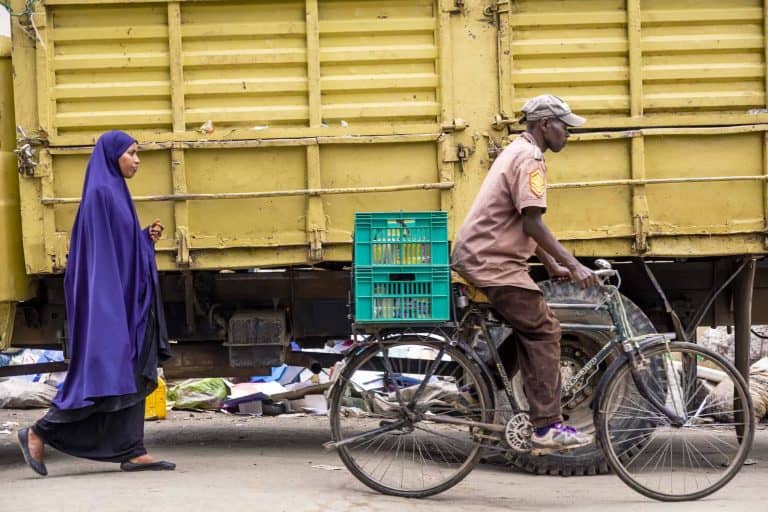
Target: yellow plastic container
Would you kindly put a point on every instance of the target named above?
(154, 408)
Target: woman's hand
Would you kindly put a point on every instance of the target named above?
(156, 230)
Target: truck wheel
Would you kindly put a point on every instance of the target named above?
(577, 347)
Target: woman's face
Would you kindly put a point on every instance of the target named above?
(129, 161)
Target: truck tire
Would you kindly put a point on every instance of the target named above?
(577, 347)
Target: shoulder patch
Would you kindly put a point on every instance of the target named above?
(536, 182)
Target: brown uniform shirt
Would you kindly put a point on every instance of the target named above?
(491, 248)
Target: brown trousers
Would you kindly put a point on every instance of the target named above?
(536, 350)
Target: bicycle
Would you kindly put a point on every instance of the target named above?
(414, 406)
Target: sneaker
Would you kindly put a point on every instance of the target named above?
(558, 438)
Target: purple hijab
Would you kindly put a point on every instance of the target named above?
(107, 285)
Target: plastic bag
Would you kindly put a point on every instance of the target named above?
(20, 394)
(758, 388)
(35, 356)
(199, 394)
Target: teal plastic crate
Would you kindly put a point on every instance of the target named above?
(401, 238)
(402, 294)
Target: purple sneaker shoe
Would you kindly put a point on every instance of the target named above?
(557, 438)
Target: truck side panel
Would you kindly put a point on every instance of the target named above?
(261, 137)
(14, 283)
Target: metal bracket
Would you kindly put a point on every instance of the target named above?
(458, 7)
(494, 10)
(457, 125)
(690, 330)
(182, 246)
(7, 317)
(60, 251)
(765, 234)
(458, 154)
(315, 245)
(641, 236)
(26, 152)
(462, 154)
(501, 121)
(677, 324)
(494, 148)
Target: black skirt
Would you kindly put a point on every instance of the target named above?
(105, 436)
(112, 429)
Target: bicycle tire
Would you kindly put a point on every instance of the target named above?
(336, 412)
(699, 427)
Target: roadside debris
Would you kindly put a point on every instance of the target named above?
(29, 391)
(327, 467)
(20, 394)
(35, 356)
(273, 398)
(758, 388)
(288, 390)
(8, 427)
(196, 394)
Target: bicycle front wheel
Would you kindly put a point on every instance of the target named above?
(387, 407)
(676, 463)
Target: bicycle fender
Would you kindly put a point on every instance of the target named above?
(616, 364)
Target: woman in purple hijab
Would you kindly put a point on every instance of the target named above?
(117, 334)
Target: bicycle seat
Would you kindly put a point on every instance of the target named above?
(473, 293)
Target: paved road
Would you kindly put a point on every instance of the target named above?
(232, 464)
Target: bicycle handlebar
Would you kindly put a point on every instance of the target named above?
(606, 273)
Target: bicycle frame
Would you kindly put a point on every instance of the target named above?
(629, 346)
(624, 341)
(621, 328)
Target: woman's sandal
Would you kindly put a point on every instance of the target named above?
(160, 465)
(37, 467)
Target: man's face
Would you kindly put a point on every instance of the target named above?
(555, 134)
(129, 161)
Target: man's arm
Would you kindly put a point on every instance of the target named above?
(554, 269)
(534, 226)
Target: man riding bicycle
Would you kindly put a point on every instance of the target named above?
(502, 230)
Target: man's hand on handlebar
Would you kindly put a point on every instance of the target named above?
(558, 272)
(583, 276)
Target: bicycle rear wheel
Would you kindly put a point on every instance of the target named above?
(387, 410)
(667, 462)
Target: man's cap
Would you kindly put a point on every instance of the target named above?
(548, 106)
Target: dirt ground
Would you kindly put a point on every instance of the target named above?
(233, 463)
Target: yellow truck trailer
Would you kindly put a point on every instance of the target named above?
(265, 125)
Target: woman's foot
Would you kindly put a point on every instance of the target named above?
(147, 462)
(143, 459)
(36, 446)
(33, 449)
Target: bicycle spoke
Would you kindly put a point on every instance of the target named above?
(637, 456)
(641, 408)
(418, 377)
(681, 462)
(642, 440)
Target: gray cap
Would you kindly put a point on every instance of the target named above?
(548, 106)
